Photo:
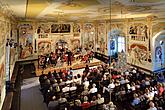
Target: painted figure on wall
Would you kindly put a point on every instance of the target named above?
(158, 54)
(89, 35)
(76, 27)
(138, 54)
(43, 30)
(44, 47)
(2, 32)
(138, 32)
(26, 40)
(76, 45)
(60, 28)
(101, 37)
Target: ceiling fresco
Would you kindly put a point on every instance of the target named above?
(88, 9)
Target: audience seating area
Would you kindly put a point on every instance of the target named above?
(130, 90)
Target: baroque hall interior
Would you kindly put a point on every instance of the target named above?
(82, 54)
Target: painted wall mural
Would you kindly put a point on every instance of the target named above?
(138, 54)
(75, 45)
(138, 32)
(60, 28)
(89, 36)
(76, 28)
(43, 30)
(158, 54)
(2, 32)
(44, 47)
(26, 40)
(139, 44)
(101, 37)
(2, 47)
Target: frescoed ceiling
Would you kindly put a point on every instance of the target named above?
(85, 9)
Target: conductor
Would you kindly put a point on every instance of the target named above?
(69, 53)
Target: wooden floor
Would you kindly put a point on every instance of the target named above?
(75, 65)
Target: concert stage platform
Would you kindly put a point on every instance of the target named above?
(75, 65)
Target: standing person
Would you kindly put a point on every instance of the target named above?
(69, 53)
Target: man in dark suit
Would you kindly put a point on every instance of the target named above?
(69, 53)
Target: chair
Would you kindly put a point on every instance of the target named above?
(67, 95)
(62, 106)
(100, 107)
(94, 107)
(73, 94)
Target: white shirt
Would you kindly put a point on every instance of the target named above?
(86, 83)
(153, 108)
(122, 81)
(73, 88)
(93, 90)
(127, 73)
(100, 101)
(133, 88)
(111, 86)
(65, 89)
(68, 81)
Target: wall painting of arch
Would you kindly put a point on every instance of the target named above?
(25, 40)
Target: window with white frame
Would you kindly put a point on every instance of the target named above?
(121, 44)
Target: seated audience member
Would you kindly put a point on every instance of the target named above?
(75, 80)
(147, 81)
(136, 100)
(86, 82)
(93, 89)
(85, 92)
(49, 94)
(62, 83)
(57, 89)
(53, 105)
(152, 106)
(93, 101)
(160, 89)
(100, 100)
(111, 86)
(126, 80)
(105, 80)
(54, 84)
(128, 88)
(109, 106)
(69, 81)
(73, 87)
(77, 105)
(137, 86)
(148, 94)
(117, 83)
(66, 88)
(127, 73)
(79, 79)
(133, 88)
(122, 81)
(62, 99)
(85, 105)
